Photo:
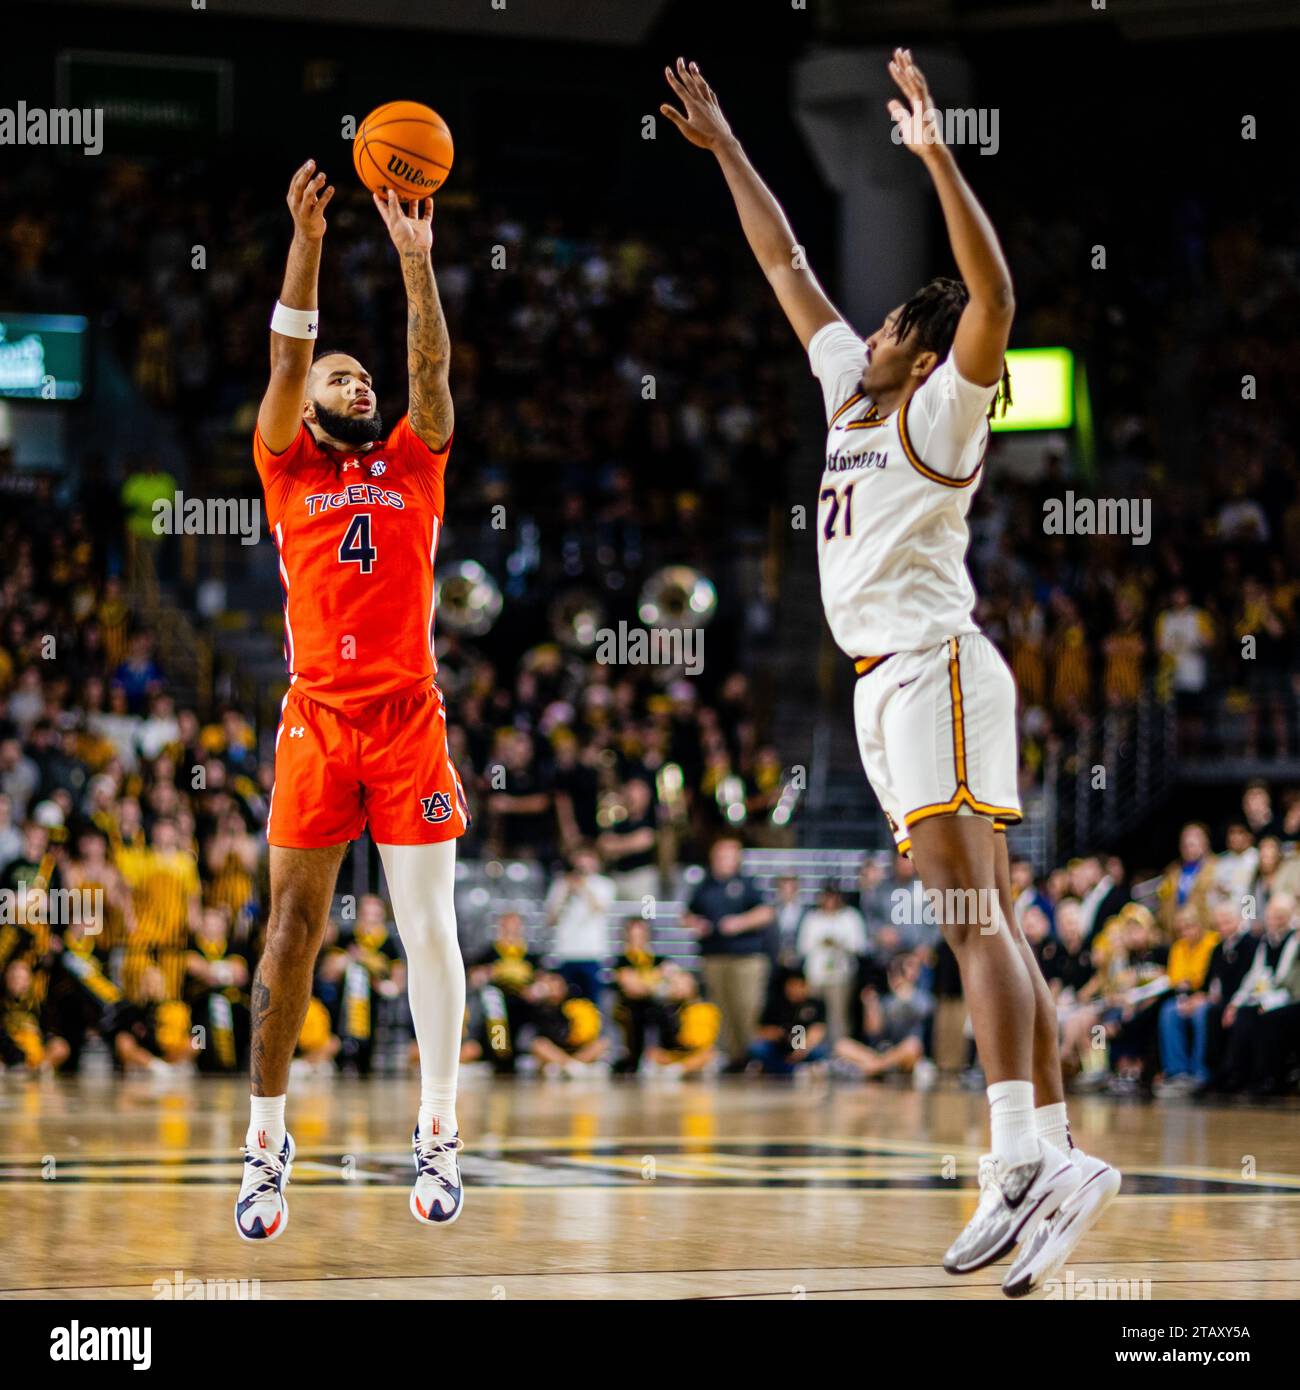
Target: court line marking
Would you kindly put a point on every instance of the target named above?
(952, 1282)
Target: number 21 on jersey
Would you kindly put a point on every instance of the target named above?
(841, 500)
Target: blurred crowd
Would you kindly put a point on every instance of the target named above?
(610, 389)
(1203, 313)
(133, 891)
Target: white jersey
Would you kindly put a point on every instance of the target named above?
(891, 519)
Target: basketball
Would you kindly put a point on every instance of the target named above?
(404, 146)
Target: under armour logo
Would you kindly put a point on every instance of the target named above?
(378, 468)
(435, 808)
(298, 732)
(351, 463)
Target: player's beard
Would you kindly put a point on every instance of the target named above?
(349, 429)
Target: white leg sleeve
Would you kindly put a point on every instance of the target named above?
(420, 881)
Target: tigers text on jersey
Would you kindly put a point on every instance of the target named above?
(891, 520)
(357, 534)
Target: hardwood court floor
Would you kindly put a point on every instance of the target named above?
(716, 1190)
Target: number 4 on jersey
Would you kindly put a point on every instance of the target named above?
(356, 548)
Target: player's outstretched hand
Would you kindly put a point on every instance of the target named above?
(308, 198)
(411, 230)
(703, 124)
(918, 121)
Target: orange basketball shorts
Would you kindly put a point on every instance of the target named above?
(385, 763)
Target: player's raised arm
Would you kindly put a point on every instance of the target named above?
(765, 224)
(428, 344)
(980, 346)
(293, 325)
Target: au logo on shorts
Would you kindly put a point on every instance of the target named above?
(435, 808)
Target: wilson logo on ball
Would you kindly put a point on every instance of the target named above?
(400, 169)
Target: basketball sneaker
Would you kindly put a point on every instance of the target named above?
(262, 1213)
(1012, 1196)
(1054, 1239)
(437, 1197)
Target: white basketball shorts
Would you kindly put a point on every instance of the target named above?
(937, 734)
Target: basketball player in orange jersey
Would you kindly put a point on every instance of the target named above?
(356, 514)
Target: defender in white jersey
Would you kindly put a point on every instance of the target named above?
(934, 703)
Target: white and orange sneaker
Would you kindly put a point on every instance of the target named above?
(437, 1197)
(262, 1213)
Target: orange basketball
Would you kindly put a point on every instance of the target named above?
(404, 146)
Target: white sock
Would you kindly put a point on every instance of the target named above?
(421, 882)
(437, 1108)
(1011, 1109)
(266, 1123)
(1053, 1126)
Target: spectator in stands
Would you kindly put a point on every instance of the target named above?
(1184, 639)
(11, 838)
(498, 977)
(1103, 891)
(791, 1029)
(629, 847)
(577, 909)
(729, 918)
(638, 983)
(165, 900)
(912, 921)
(1259, 622)
(1025, 892)
(788, 912)
(1238, 865)
(19, 776)
(1191, 879)
(1251, 1059)
(139, 676)
(1270, 875)
(24, 1042)
(1065, 958)
(892, 1025)
(216, 991)
(1228, 966)
(1257, 809)
(521, 812)
(568, 1036)
(832, 942)
(874, 892)
(1184, 1014)
(688, 1026)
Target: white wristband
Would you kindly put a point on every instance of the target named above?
(295, 323)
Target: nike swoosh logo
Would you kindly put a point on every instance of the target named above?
(902, 685)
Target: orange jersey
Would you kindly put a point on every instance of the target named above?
(357, 535)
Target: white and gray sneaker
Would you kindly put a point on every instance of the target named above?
(1012, 1197)
(1054, 1239)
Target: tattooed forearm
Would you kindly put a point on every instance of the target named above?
(428, 352)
